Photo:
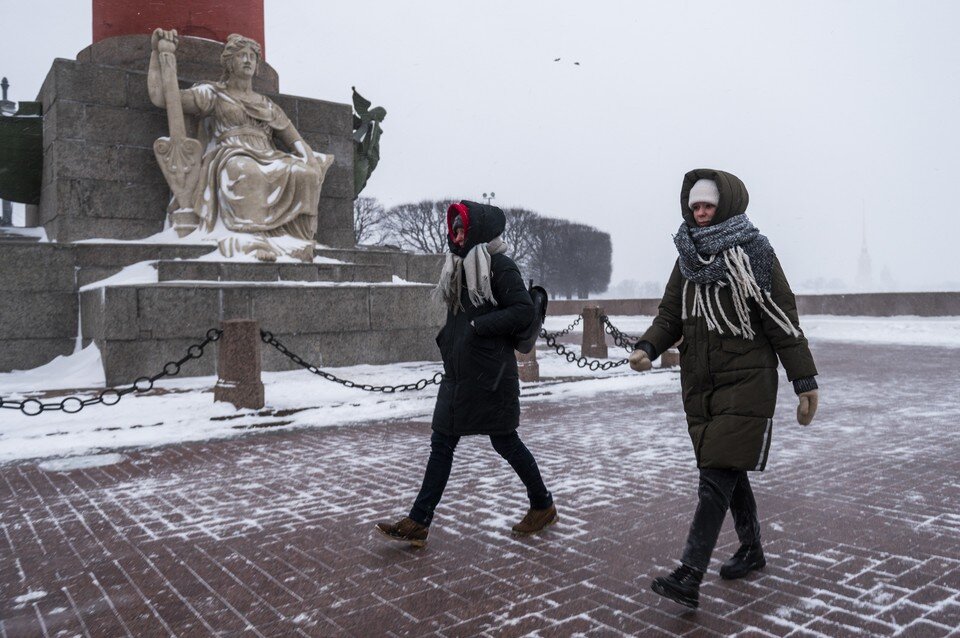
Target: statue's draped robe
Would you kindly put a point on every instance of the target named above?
(245, 182)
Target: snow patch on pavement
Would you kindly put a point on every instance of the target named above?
(81, 462)
(29, 597)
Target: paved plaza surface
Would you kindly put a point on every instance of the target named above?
(270, 534)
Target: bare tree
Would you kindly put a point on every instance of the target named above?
(567, 258)
(520, 236)
(541, 237)
(368, 218)
(419, 226)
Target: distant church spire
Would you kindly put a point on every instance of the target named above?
(864, 267)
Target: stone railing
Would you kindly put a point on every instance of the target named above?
(879, 304)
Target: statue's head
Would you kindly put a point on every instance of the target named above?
(240, 57)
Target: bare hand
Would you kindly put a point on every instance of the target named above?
(164, 41)
(307, 153)
(808, 407)
(640, 361)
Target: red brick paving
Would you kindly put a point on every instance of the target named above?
(270, 534)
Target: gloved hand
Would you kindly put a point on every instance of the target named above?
(807, 407)
(640, 361)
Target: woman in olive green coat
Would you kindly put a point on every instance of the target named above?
(729, 301)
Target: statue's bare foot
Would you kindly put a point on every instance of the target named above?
(264, 255)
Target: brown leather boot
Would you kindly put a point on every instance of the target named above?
(536, 520)
(406, 530)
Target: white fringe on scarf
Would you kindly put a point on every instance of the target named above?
(477, 267)
(743, 287)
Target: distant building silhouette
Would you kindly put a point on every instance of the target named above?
(864, 279)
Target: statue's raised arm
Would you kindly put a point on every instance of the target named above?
(179, 156)
(249, 195)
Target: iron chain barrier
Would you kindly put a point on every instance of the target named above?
(268, 338)
(112, 396)
(580, 360)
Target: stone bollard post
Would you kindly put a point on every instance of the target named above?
(671, 358)
(238, 365)
(594, 337)
(528, 366)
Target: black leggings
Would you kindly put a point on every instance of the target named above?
(719, 491)
(509, 446)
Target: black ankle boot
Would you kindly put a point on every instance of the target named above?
(747, 559)
(682, 586)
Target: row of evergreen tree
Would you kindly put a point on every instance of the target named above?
(567, 258)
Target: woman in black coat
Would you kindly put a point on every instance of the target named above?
(487, 304)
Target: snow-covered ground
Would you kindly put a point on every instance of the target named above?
(184, 410)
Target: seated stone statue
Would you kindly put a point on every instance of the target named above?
(250, 196)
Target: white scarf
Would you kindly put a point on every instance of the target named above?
(743, 286)
(476, 265)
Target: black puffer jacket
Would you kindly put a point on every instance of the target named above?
(480, 392)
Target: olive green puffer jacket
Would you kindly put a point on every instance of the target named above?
(729, 384)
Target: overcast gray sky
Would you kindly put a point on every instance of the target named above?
(830, 111)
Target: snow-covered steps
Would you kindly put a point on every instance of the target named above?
(406, 266)
(198, 270)
(11, 233)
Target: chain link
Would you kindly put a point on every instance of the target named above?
(268, 338)
(622, 339)
(576, 322)
(112, 396)
(580, 360)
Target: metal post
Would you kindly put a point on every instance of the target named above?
(238, 365)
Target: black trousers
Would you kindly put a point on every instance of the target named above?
(719, 491)
(509, 446)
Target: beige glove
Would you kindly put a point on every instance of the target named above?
(807, 407)
(640, 361)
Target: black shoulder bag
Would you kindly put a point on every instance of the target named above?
(525, 340)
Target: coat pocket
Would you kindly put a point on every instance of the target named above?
(739, 354)
(736, 346)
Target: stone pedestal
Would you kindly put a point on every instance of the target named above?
(38, 314)
(670, 358)
(528, 366)
(238, 365)
(358, 319)
(594, 338)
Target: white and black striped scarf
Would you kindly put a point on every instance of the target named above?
(730, 254)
